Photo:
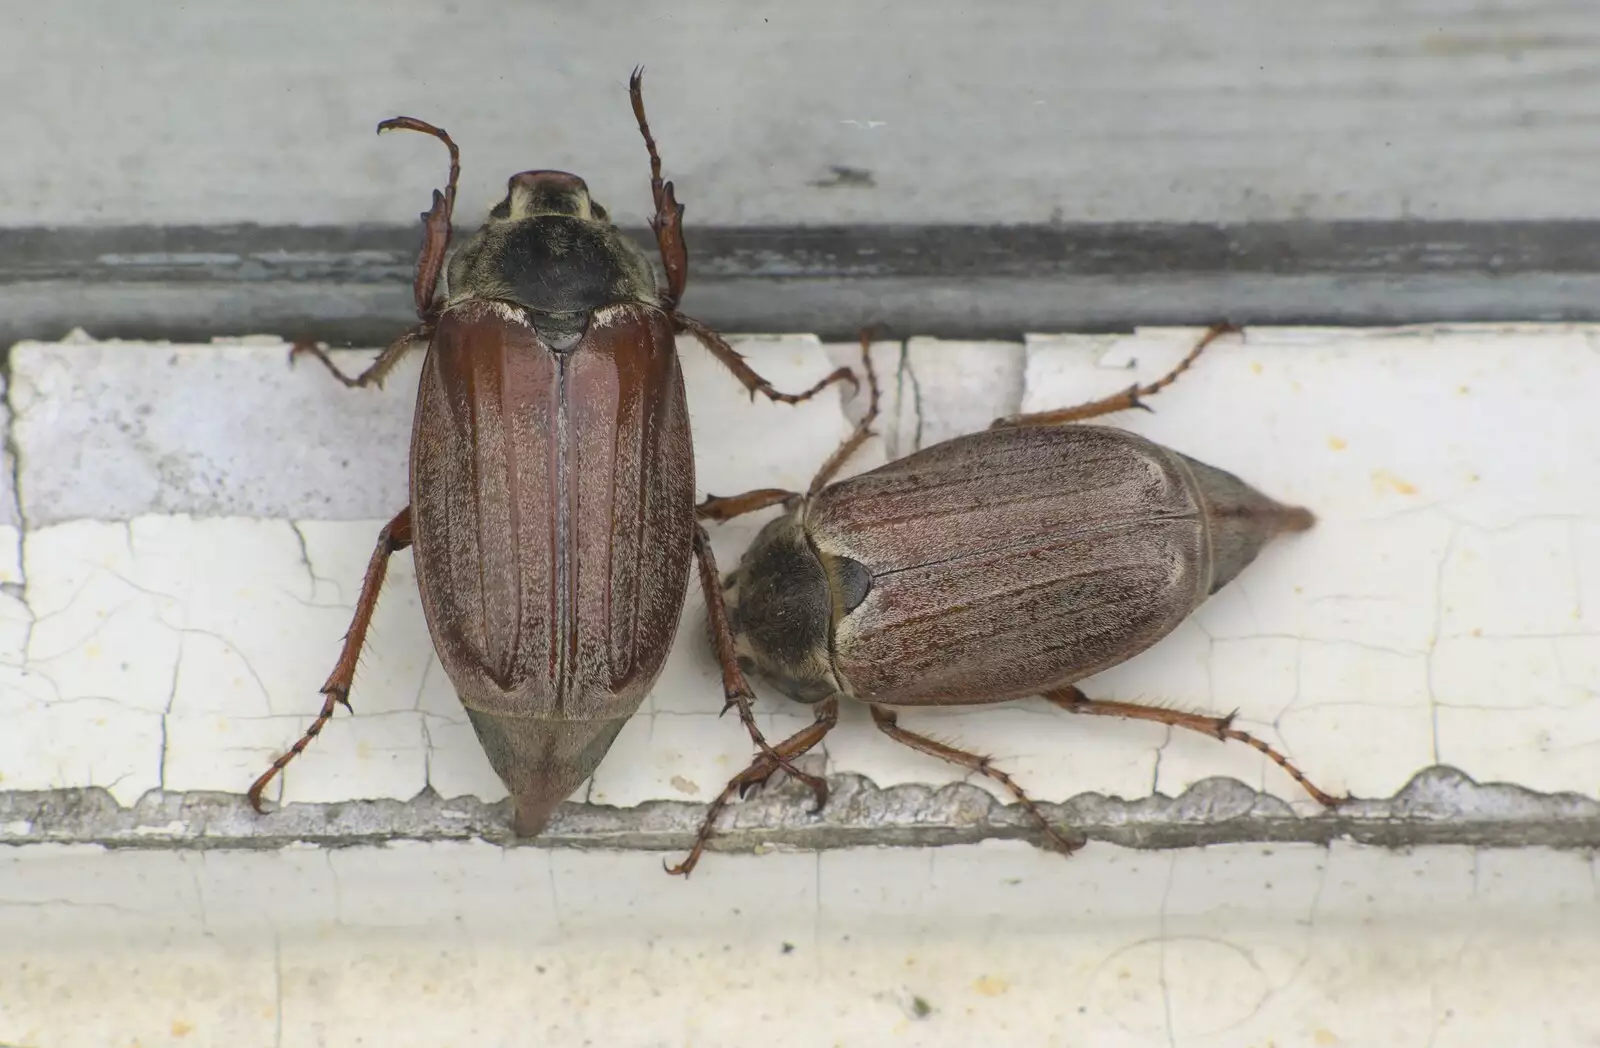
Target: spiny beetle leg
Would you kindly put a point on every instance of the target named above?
(1128, 398)
(435, 220)
(378, 370)
(888, 724)
(667, 222)
(760, 770)
(735, 689)
(1074, 700)
(863, 430)
(395, 536)
(747, 376)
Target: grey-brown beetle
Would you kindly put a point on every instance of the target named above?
(552, 478)
(994, 566)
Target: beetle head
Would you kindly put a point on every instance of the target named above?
(781, 611)
(534, 193)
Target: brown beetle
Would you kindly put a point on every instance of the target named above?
(994, 566)
(552, 477)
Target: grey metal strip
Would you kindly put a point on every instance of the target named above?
(350, 285)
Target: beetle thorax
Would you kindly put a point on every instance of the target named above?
(780, 610)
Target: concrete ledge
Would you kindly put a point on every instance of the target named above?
(1440, 805)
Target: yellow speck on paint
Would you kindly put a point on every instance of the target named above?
(1325, 1038)
(1463, 390)
(363, 751)
(1337, 443)
(92, 651)
(990, 987)
(1255, 367)
(1383, 480)
(683, 785)
(181, 1028)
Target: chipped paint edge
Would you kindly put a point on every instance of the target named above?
(1440, 805)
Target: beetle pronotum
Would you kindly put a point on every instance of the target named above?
(998, 565)
(552, 477)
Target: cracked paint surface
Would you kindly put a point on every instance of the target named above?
(174, 625)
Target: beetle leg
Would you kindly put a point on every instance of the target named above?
(863, 429)
(667, 222)
(378, 370)
(730, 506)
(395, 536)
(1128, 398)
(435, 220)
(726, 507)
(748, 376)
(1073, 700)
(760, 770)
(430, 264)
(888, 723)
(735, 688)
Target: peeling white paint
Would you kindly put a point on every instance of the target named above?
(1446, 606)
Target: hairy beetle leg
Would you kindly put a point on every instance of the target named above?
(888, 723)
(760, 770)
(1128, 398)
(1074, 700)
(736, 690)
(378, 370)
(748, 376)
(395, 536)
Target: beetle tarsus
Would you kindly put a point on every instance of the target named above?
(1073, 700)
(1128, 398)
